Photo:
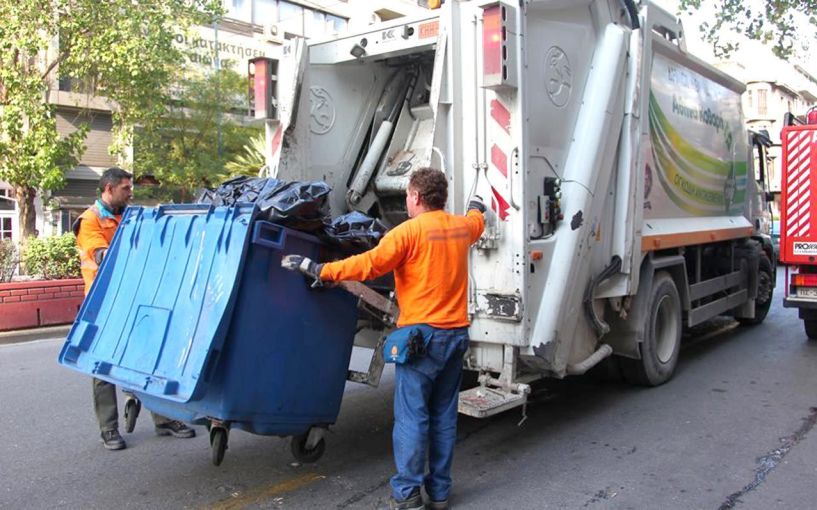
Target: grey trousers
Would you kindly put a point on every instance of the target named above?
(105, 407)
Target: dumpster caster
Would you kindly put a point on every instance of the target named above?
(132, 408)
(309, 447)
(218, 443)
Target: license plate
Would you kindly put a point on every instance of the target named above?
(809, 292)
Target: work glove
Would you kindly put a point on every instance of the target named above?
(305, 265)
(477, 203)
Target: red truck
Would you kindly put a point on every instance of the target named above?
(798, 218)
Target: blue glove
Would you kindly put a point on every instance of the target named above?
(478, 204)
(305, 265)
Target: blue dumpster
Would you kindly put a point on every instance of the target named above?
(192, 312)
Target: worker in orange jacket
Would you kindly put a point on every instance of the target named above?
(95, 229)
(429, 256)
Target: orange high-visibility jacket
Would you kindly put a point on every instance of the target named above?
(429, 257)
(94, 231)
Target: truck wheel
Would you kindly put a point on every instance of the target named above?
(811, 328)
(662, 336)
(765, 290)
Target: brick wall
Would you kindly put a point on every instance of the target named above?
(39, 303)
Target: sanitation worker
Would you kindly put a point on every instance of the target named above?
(429, 256)
(94, 230)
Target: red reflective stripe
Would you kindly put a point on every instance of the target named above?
(499, 204)
(500, 160)
(501, 115)
(276, 139)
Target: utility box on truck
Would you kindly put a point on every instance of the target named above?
(798, 221)
(624, 203)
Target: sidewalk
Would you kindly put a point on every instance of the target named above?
(27, 335)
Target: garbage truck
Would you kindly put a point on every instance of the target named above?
(627, 199)
(798, 231)
(625, 206)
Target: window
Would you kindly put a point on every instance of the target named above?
(291, 17)
(239, 9)
(749, 99)
(5, 227)
(265, 11)
(761, 102)
(338, 23)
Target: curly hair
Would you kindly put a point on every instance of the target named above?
(432, 186)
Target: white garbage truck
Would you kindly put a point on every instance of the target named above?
(626, 197)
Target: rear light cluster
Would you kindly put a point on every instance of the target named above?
(499, 46)
(804, 280)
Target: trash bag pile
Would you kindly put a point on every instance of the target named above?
(301, 206)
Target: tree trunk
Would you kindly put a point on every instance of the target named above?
(28, 214)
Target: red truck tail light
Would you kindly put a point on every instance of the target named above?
(499, 46)
(804, 280)
(492, 40)
(263, 73)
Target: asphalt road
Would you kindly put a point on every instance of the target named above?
(733, 429)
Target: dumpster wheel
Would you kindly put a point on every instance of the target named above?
(218, 444)
(132, 408)
(304, 454)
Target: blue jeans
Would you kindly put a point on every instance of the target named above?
(426, 392)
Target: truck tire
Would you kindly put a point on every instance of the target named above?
(662, 336)
(811, 328)
(765, 290)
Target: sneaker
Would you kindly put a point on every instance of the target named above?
(414, 502)
(111, 440)
(437, 505)
(175, 428)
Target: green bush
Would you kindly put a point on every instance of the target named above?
(8, 259)
(52, 258)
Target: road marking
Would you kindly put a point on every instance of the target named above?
(265, 493)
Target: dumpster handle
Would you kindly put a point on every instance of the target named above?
(268, 235)
(179, 209)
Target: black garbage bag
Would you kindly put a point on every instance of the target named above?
(354, 231)
(298, 205)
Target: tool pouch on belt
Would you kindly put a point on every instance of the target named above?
(407, 343)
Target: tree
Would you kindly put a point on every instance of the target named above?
(251, 159)
(122, 47)
(191, 142)
(768, 21)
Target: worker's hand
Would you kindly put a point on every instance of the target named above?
(303, 264)
(477, 203)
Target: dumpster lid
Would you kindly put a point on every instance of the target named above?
(159, 309)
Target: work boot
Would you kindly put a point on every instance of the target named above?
(175, 428)
(437, 505)
(111, 440)
(414, 502)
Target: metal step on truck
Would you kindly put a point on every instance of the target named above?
(626, 201)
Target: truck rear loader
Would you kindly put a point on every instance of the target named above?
(625, 201)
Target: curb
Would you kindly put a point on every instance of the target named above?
(29, 335)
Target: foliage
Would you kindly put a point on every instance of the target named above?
(122, 48)
(251, 159)
(188, 147)
(52, 258)
(768, 21)
(8, 259)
